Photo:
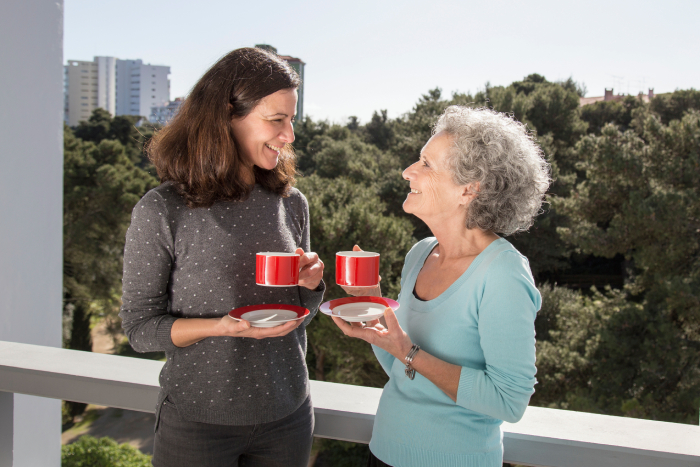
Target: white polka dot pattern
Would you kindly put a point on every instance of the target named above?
(199, 263)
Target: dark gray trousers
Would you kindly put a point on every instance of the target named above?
(283, 443)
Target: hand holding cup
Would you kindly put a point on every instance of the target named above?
(277, 269)
(311, 269)
(361, 281)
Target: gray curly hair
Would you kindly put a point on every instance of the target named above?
(500, 154)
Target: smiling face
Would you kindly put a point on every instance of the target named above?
(434, 196)
(262, 133)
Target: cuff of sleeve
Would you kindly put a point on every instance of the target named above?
(321, 287)
(311, 299)
(466, 386)
(163, 333)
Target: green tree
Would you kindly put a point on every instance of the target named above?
(101, 186)
(353, 123)
(380, 131)
(551, 111)
(342, 152)
(305, 132)
(640, 199)
(343, 214)
(674, 105)
(618, 113)
(567, 330)
(102, 452)
(130, 130)
(608, 353)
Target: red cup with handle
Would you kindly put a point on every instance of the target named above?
(275, 269)
(357, 268)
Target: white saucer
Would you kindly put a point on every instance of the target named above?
(357, 309)
(362, 311)
(269, 318)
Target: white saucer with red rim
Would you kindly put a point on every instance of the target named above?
(357, 309)
(267, 316)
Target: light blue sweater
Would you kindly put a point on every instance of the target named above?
(483, 322)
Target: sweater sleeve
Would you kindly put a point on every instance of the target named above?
(310, 299)
(506, 313)
(148, 257)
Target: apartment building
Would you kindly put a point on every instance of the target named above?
(82, 88)
(162, 114)
(122, 87)
(140, 87)
(298, 65)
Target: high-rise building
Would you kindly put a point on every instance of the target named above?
(140, 87)
(164, 113)
(298, 65)
(89, 85)
(122, 87)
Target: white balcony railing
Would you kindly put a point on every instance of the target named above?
(544, 437)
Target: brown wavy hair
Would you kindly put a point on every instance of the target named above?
(197, 151)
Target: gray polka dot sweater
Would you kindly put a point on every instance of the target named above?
(200, 263)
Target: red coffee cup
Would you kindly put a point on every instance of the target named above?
(357, 268)
(274, 269)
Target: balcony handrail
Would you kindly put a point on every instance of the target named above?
(544, 437)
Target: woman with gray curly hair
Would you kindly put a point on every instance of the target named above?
(460, 350)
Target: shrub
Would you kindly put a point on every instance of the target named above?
(102, 452)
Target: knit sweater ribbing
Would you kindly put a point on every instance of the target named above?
(200, 263)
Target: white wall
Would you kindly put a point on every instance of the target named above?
(31, 187)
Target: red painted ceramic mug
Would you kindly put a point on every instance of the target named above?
(275, 269)
(357, 268)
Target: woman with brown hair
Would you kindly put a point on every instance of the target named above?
(231, 394)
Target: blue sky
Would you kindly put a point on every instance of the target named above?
(363, 56)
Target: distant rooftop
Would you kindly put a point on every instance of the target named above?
(609, 96)
(287, 58)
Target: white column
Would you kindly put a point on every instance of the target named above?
(106, 84)
(31, 188)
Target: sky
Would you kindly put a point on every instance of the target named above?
(365, 56)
